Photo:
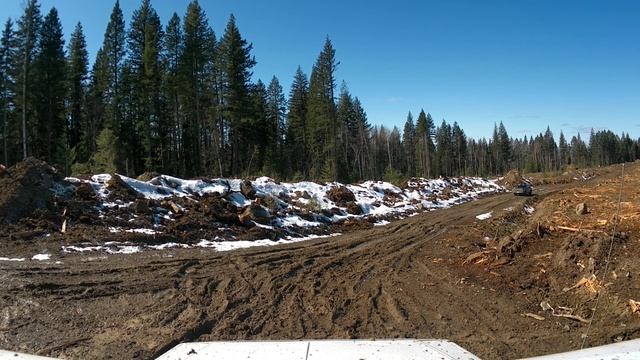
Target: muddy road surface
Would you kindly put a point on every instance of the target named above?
(406, 279)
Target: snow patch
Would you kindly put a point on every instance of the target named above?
(382, 223)
(11, 259)
(484, 216)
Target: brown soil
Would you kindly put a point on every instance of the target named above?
(441, 274)
(511, 179)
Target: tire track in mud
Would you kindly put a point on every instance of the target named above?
(366, 284)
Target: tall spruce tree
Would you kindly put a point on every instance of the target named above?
(144, 41)
(459, 149)
(236, 62)
(172, 52)
(8, 73)
(97, 117)
(196, 68)
(50, 75)
(297, 126)
(363, 138)
(322, 118)
(114, 50)
(425, 149)
(276, 107)
(77, 75)
(409, 143)
(28, 32)
(346, 120)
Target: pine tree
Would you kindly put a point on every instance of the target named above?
(563, 150)
(8, 72)
(96, 105)
(322, 118)
(361, 147)
(444, 150)
(173, 47)
(28, 32)
(114, 49)
(77, 74)
(144, 41)
(236, 63)
(196, 69)
(459, 149)
(297, 127)
(50, 74)
(346, 121)
(276, 107)
(409, 145)
(425, 148)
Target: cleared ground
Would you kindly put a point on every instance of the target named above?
(440, 274)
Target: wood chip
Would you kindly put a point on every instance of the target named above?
(634, 305)
(591, 283)
(573, 317)
(534, 316)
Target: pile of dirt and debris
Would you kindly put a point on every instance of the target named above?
(511, 179)
(90, 211)
(28, 188)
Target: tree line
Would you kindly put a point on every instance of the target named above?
(178, 100)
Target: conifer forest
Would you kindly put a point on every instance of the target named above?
(179, 99)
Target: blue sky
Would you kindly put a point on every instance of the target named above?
(571, 64)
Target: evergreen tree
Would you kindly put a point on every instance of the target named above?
(276, 107)
(50, 75)
(77, 74)
(444, 150)
(8, 72)
(361, 144)
(259, 158)
(322, 118)
(104, 160)
(144, 41)
(114, 50)
(28, 31)
(173, 47)
(425, 148)
(236, 63)
(346, 120)
(459, 149)
(96, 105)
(409, 145)
(196, 69)
(297, 128)
(563, 150)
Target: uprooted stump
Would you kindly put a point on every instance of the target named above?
(254, 212)
(341, 196)
(353, 208)
(246, 188)
(510, 245)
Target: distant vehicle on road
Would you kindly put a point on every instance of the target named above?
(523, 189)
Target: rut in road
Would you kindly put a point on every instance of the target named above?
(375, 283)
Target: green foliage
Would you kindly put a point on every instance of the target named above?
(104, 160)
(49, 103)
(77, 74)
(393, 176)
(81, 168)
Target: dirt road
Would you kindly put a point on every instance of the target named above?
(406, 279)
